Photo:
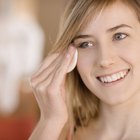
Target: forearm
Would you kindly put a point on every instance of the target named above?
(47, 130)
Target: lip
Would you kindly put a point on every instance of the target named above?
(114, 82)
(103, 75)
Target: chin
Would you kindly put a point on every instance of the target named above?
(116, 100)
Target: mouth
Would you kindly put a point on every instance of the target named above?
(112, 78)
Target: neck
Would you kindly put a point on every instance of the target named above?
(121, 119)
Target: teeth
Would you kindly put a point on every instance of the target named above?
(121, 74)
(113, 77)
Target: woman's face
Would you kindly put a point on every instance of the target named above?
(109, 54)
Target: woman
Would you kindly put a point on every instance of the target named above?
(100, 98)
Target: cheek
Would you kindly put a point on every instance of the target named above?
(82, 66)
(134, 57)
(130, 51)
(85, 61)
(131, 55)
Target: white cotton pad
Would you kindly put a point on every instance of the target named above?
(73, 62)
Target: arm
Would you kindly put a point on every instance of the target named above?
(49, 89)
(47, 130)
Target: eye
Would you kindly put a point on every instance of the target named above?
(119, 36)
(86, 45)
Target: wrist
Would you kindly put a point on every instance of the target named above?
(54, 119)
(51, 128)
(53, 122)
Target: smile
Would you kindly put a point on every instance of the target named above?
(113, 77)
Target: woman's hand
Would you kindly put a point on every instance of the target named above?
(49, 85)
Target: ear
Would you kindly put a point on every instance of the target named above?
(73, 62)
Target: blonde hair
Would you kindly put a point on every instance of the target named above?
(83, 105)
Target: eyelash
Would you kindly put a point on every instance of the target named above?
(122, 35)
(91, 44)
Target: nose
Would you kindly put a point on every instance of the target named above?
(106, 58)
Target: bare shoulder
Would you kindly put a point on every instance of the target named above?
(79, 135)
(92, 131)
(83, 134)
(64, 133)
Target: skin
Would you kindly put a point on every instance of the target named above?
(110, 52)
(48, 84)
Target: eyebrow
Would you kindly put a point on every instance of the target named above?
(109, 30)
(81, 36)
(118, 26)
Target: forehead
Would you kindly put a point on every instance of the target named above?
(115, 14)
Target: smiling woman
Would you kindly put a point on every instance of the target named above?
(100, 98)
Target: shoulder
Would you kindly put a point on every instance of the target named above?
(67, 132)
(79, 135)
(90, 132)
(84, 134)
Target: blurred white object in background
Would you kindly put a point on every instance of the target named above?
(21, 51)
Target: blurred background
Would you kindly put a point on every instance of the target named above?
(28, 29)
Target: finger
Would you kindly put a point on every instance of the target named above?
(62, 70)
(48, 60)
(42, 75)
(41, 89)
